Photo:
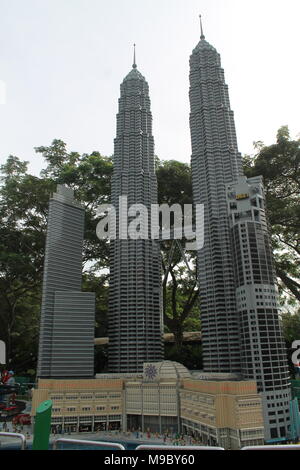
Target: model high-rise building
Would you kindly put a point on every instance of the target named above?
(134, 322)
(239, 312)
(66, 345)
(215, 163)
(263, 353)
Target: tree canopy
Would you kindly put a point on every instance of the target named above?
(279, 164)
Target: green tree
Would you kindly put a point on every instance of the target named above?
(291, 327)
(190, 355)
(279, 164)
(22, 240)
(180, 288)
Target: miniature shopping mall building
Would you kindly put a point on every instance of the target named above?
(216, 409)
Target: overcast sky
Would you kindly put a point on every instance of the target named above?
(62, 62)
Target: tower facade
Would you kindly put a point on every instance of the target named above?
(263, 353)
(134, 321)
(67, 325)
(215, 162)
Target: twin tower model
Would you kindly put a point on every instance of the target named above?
(239, 312)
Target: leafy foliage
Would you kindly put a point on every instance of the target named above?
(180, 289)
(279, 164)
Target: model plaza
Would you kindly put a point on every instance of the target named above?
(240, 398)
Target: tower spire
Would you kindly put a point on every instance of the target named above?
(134, 63)
(201, 29)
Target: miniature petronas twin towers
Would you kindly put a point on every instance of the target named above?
(239, 312)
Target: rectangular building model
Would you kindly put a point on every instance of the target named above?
(164, 399)
(66, 345)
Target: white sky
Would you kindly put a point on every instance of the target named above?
(62, 62)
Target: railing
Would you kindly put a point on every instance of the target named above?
(119, 446)
(174, 447)
(276, 447)
(88, 443)
(17, 436)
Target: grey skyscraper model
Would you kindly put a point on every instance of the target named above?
(134, 322)
(215, 162)
(239, 312)
(66, 346)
